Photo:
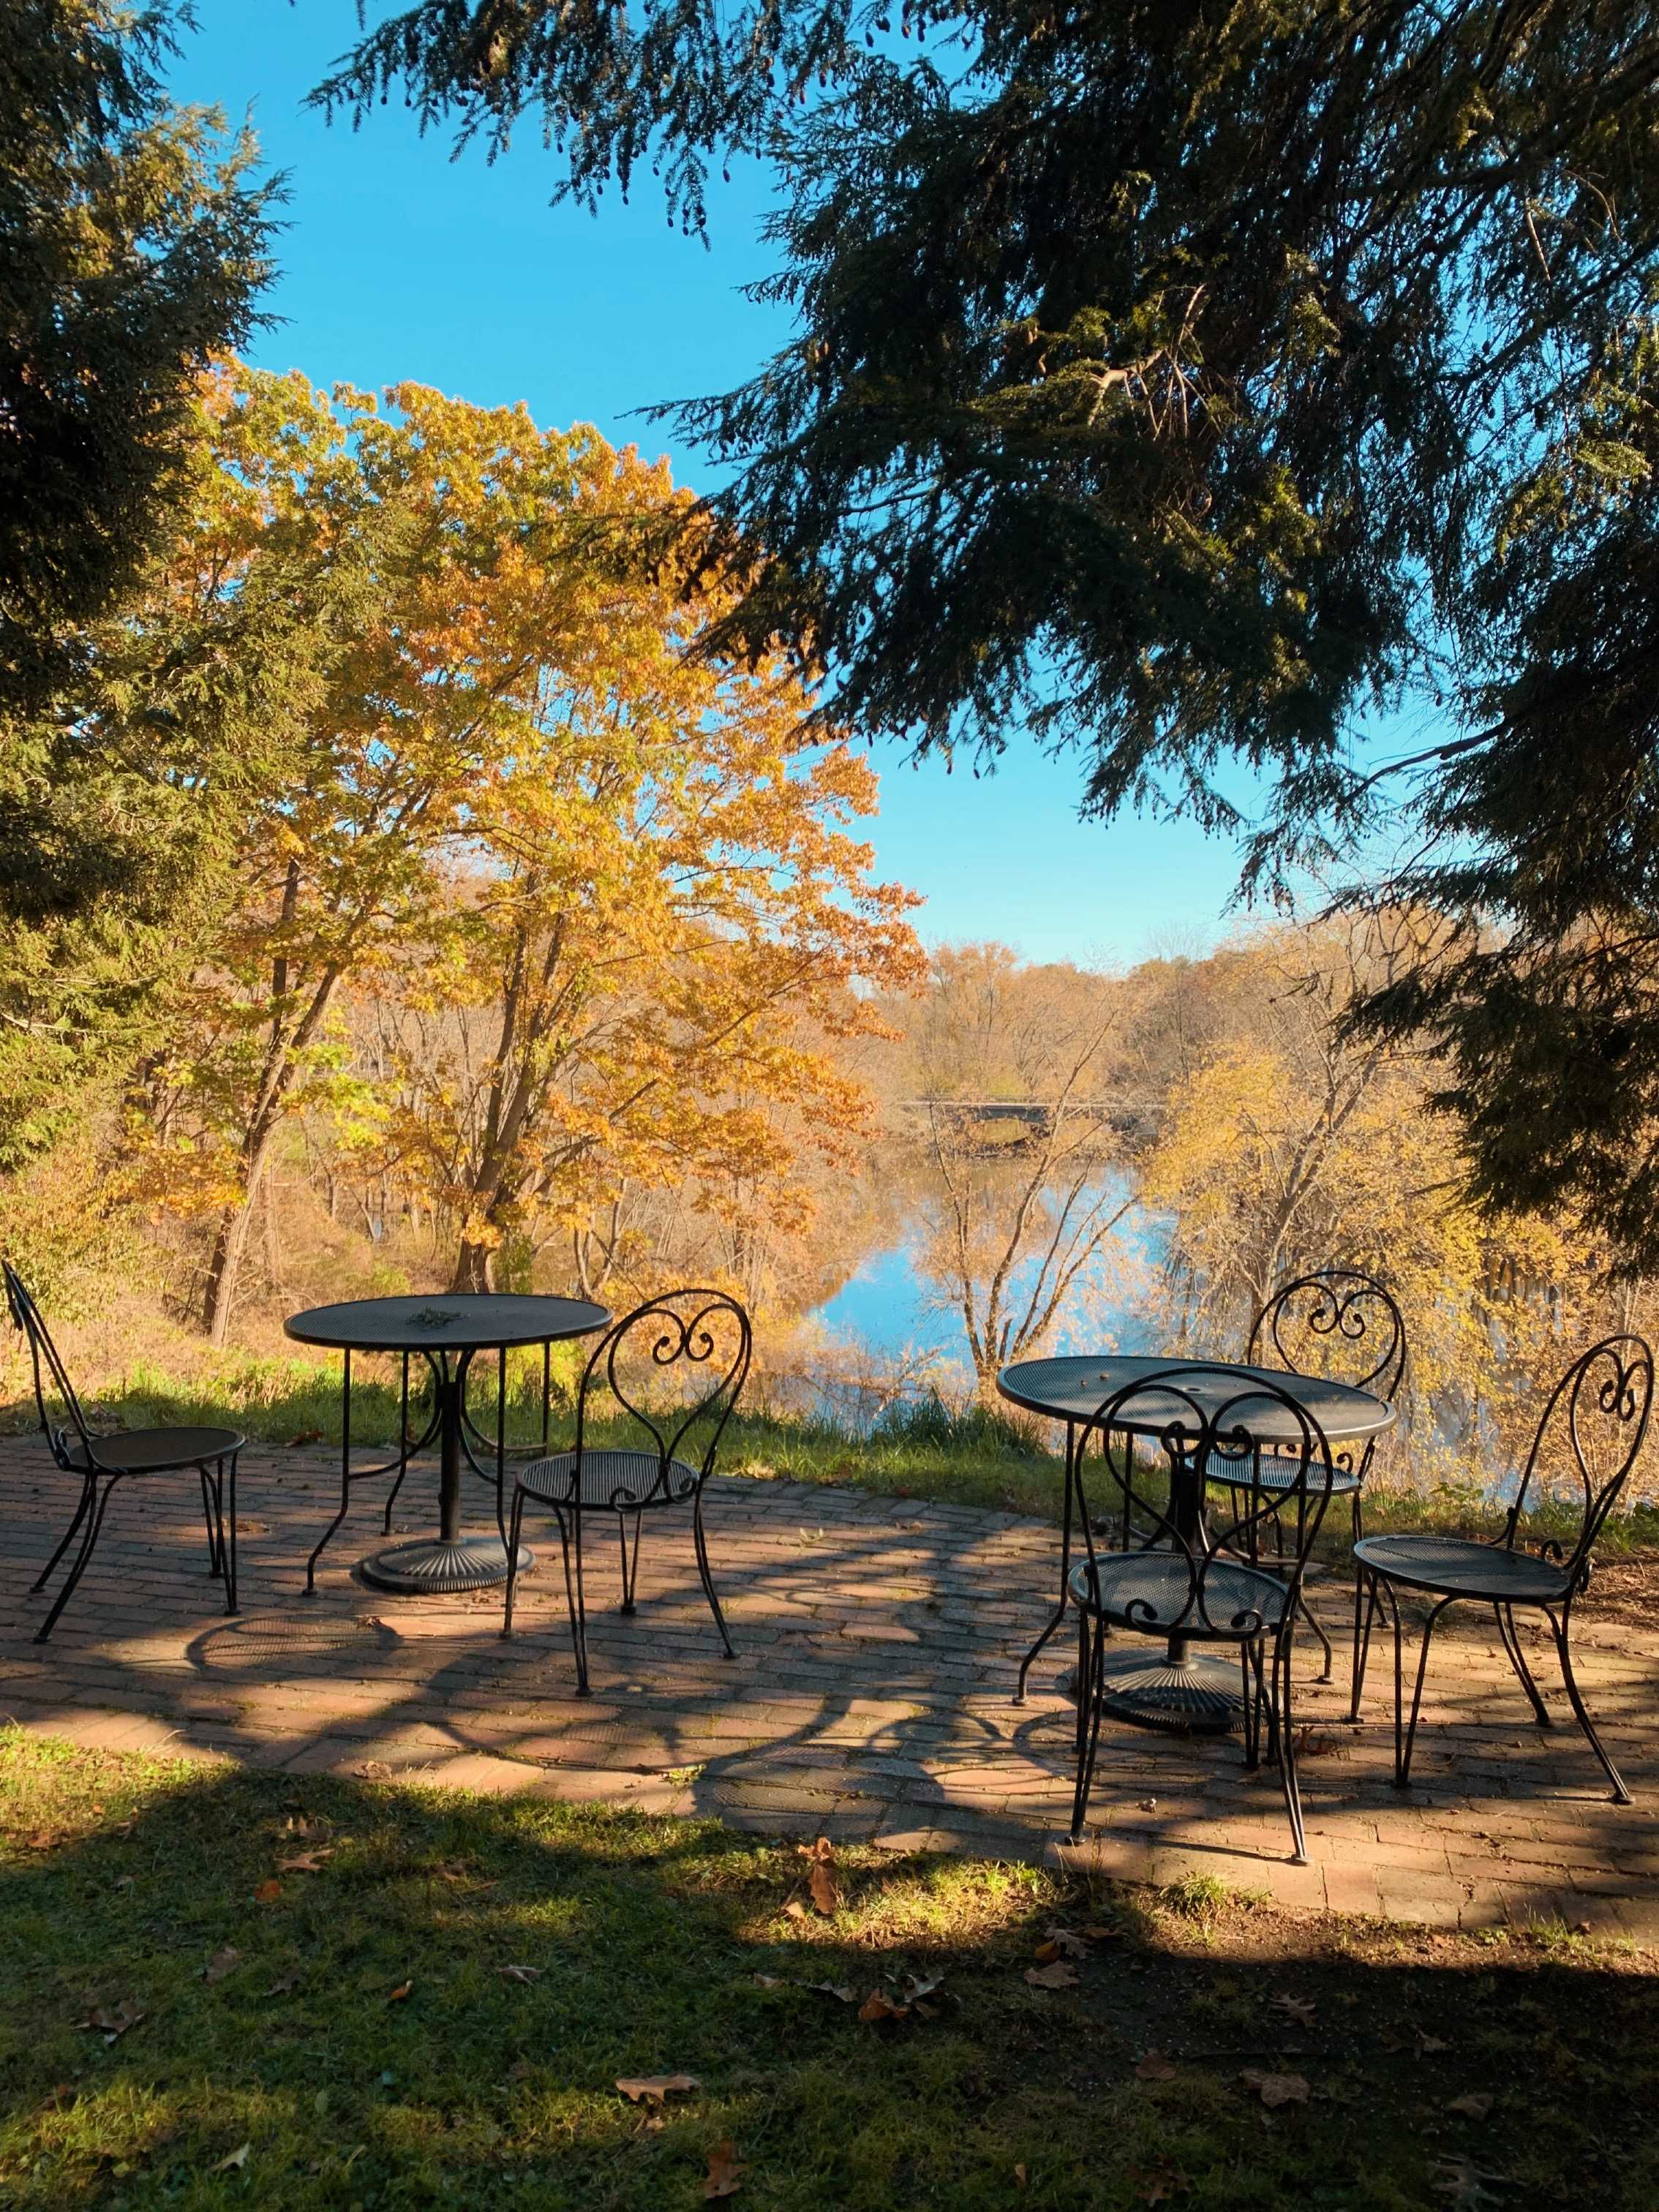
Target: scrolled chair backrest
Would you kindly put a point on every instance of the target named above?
(1338, 1322)
(1214, 1422)
(700, 1336)
(1591, 1429)
(46, 1367)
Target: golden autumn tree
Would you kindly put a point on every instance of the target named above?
(1290, 1148)
(606, 881)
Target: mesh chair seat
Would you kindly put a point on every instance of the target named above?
(1283, 1472)
(623, 1481)
(1158, 1586)
(1455, 1566)
(150, 1451)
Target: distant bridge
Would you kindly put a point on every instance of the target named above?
(1137, 1117)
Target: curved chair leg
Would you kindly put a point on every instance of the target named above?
(1281, 1701)
(1563, 1636)
(1088, 1688)
(630, 1563)
(516, 1523)
(1251, 1714)
(228, 1533)
(1517, 1659)
(95, 1522)
(1304, 1608)
(570, 1539)
(1362, 1648)
(1358, 1608)
(65, 1540)
(702, 1543)
(1405, 1743)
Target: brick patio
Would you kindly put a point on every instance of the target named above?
(870, 1699)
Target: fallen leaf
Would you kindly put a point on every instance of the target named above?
(112, 2021)
(396, 1996)
(305, 1861)
(519, 1973)
(651, 2089)
(1428, 2043)
(844, 1991)
(59, 2099)
(1473, 2106)
(1155, 2067)
(1300, 2009)
(1149, 1804)
(1046, 1953)
(1097, 1933)
(821, 1873)
(373, 1770)
(267, 1892)
(235, 2160)
(43, 1839)
(125, 1881)
(305, 1437)
(303, 1829)
(281, 1987)
(796, 1909)
(767, 1982)
(1066, 1943)
(1061, 1975)
(1276, 2089)
(878, 2006)
(724, 2172)
(1311, 1741)
(1156, 2185)
(1020, 2175)
(222, 1963)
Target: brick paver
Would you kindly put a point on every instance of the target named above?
(870, 1699)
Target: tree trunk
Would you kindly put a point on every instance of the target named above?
(230, 1244)
(473, 1266)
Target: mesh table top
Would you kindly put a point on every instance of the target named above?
(1075, 1389)
(456, 1321)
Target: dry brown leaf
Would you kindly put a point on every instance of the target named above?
(651, 2089)
(281, 1987)
(112, 2021)
(1020, 2176)
(222, 1963)
(1061, 1975)
(519, 1973)
(1046, 1953)
(844, 1991)
(1276, 2089)
(1156, 2185)
(820, 1854)
(43, 1839)
(767, 1982)
(396, 1996)
(305, 1437)
(1097, 1932)
(305, 1861)
(724, 2172)
(235, 2160)
(796, 1909)
(1155, 2067)
(125, 1881)
(373, 1770)
(1473, 2106)
(1300, 2009)
(1064, 1943)
(267, 1892)
(1427, 2044)
(1465, 2183)
(303, 1829)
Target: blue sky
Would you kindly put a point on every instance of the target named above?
(400, 263)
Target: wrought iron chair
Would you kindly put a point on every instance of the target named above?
(1588, 1438)
(1342, 1324)
(102, 1462)
(1186, 1583)
(666, 1338)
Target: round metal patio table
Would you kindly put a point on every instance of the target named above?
(1192, 1691)
(449, 1333)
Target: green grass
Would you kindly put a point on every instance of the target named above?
(276, 2064)
(926, 1452)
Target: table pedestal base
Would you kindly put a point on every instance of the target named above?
(1201, 1693)
(428, 1567)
